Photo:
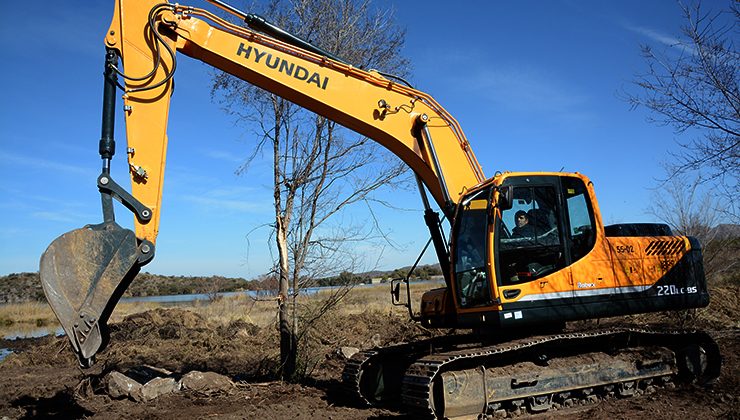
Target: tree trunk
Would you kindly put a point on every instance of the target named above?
(312, 173)
(288, 350)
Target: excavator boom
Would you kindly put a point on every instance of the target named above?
(85, 271)
(388, 112)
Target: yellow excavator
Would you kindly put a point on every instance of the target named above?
(526, 251)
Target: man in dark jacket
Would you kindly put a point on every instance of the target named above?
(523, 228)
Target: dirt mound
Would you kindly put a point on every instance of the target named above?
(724, 307)
(180, 341)
(368, 329)
(165, 323)
(238, 328)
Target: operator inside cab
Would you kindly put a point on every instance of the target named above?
(523, 228)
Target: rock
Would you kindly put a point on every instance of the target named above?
(243, 334)
(145, 373)
(206, 382)
(239, 329)
(375, 340)
(158, 387)
(120, 386)
(347, 352)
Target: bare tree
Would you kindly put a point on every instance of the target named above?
(693, 86)
(691, 210)
(685, 208)
(319, 168)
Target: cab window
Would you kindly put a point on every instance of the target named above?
(580, 218)
(529, 243)
(471, 238)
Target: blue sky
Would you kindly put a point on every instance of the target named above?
(534, 85)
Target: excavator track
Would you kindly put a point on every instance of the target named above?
(351, 374)
(373, 377)
(529, 375)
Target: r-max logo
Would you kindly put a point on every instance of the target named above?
(283, 66)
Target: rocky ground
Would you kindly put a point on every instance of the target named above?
(41, 379)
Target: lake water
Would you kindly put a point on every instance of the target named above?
(31, 332)
(185, 299)
(4, 353)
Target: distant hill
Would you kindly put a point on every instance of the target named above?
(422, 272)
(26, 287)
(21, 287)
(725, 231)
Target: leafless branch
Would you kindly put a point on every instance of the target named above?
(693, 87)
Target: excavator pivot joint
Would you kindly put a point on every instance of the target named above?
(107, 185)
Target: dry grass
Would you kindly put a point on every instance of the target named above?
(263, 312)
(124, 309)
(27, 317)
(378, 298)
(33, 313)
(31, 316)
(229, 309)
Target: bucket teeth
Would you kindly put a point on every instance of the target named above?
(83, 273)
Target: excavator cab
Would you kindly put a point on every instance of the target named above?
(529, 249)
(470, 256)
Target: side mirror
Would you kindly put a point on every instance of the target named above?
(396, 292)
(505, 197)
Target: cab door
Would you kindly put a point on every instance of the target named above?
(592, 277)
(531, 251)
(471, 252)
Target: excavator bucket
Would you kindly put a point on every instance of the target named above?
(84, 273)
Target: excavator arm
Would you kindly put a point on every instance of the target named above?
(84, 272)
(409, 123)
